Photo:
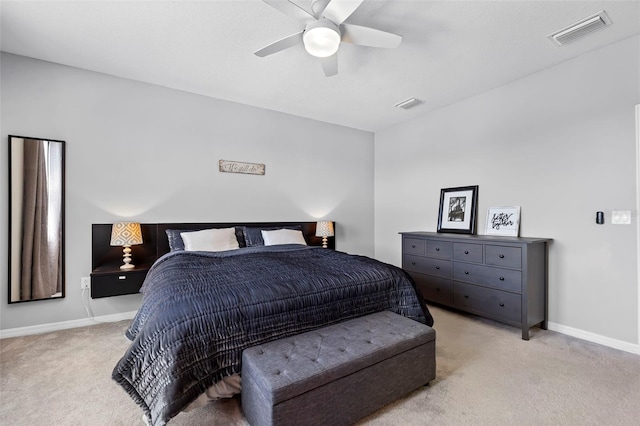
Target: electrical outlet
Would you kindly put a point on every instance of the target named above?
(621, 217)
(85, 282)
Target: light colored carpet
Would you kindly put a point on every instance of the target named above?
(486, 375)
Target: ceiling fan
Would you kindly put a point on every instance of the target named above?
(325, 29)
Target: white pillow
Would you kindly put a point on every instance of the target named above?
(283, 236)
(210, 240)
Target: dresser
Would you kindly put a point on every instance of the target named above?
(501, 278)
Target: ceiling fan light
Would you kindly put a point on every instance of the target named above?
(321, 39)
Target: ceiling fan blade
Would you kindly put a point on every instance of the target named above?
(283, 43)
(338, 11)
(365, 36)
(330, 65)
(291, 9)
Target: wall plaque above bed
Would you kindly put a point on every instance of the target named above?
(240, 167)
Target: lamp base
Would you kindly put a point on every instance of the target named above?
(324, 242)
(126, 258)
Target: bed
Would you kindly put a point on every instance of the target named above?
(201, 309)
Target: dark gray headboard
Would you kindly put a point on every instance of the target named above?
(308, 230)
(155, 242)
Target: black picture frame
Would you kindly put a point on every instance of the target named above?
(458, 210)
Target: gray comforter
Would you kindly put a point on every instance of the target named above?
(200, 310)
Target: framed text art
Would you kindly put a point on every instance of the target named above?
(503, 221)
(458, 210)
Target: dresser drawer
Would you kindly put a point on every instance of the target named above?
(413, 246)
(467, 252)
(509, 257)
(434, 289)
(502, 279)
(496, 304)
(426, 265)
(440, 249)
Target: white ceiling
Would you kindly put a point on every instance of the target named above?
(450, 49)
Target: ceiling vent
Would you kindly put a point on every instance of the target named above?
(582, 28)
(408, 103)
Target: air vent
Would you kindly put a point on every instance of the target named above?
(580, 29)
(408, 103)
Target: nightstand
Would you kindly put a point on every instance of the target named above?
(107, 281)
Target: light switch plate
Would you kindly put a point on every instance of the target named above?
(621, 217)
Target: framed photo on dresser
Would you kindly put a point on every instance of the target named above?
(458, 210)
(503, 221)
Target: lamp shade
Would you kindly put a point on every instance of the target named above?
(126, 234)
(324, 228)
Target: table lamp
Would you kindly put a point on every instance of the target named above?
(126, 234)
(324, 229)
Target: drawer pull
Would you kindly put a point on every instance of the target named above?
(466, 272)
(466, 252)
(413, 263)
(437, 267)
(502, 304)
(437, 288)
(501, 256)
(466, 296)
(501, 278)
(437, 248)
(122, 277)
(413, 246)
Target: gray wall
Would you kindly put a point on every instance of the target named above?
(559, 143)
(151, 154)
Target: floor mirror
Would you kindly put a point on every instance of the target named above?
(36, 219)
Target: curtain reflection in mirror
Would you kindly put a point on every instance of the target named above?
(38, 212)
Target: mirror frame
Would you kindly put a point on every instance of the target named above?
(62, 221)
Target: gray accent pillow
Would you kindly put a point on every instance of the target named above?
(175, 240)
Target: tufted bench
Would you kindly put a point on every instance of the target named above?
(337, 374)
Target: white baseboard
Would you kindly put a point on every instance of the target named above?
(595, 338)
(63, 325)
(55, 326)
